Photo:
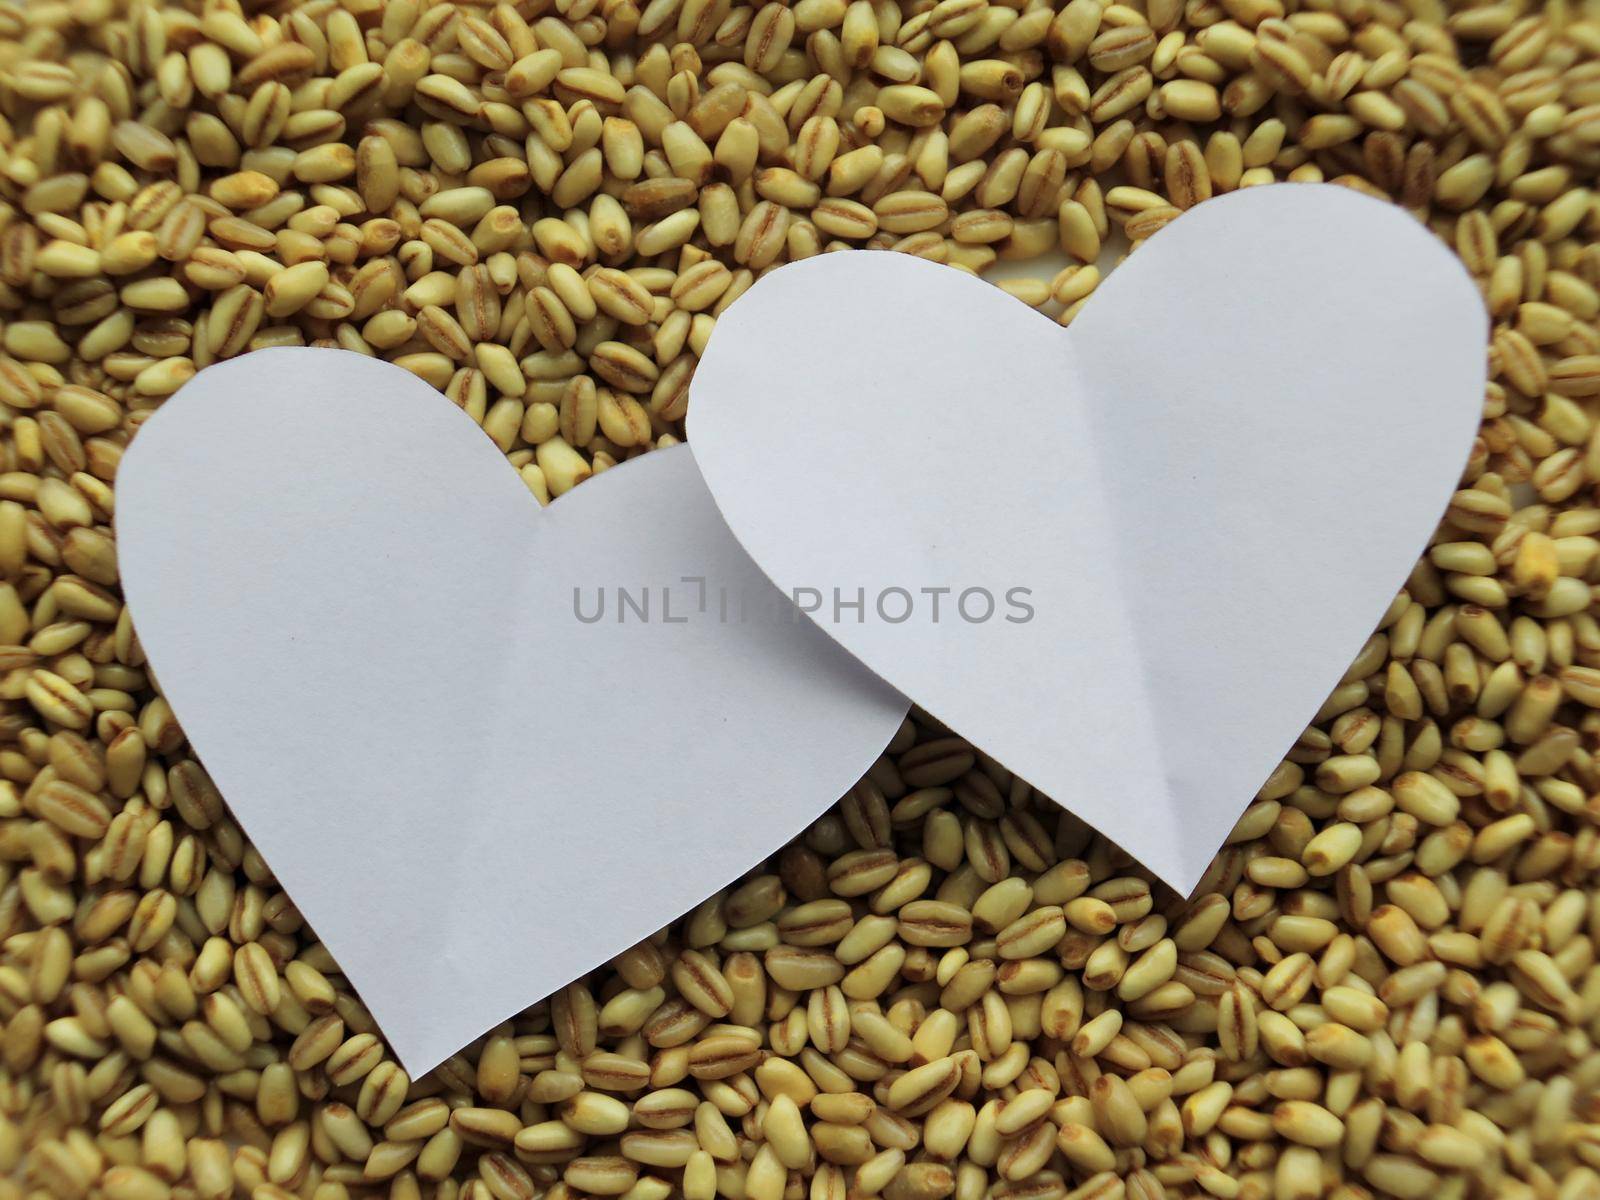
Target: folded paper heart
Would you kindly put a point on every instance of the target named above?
(484, 748)
(1129, 558)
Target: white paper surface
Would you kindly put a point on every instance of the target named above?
(1211, 484)
(366, 626)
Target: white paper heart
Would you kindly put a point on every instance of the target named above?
(1210, 486)
(368, 630)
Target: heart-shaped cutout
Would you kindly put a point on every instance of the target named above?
(386, 656)
(1161, 533)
